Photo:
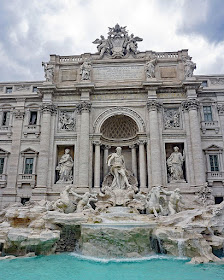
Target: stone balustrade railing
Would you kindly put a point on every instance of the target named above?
(75, 58)
(166, 55)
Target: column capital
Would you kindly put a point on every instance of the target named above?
(141, 141)
(84, 106)
(132, 146)
(190, 104)
(96, 142)
(48, 108)
(153, 105)
(106, 147)
(19, 114)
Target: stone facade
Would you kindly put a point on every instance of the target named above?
(145, 102)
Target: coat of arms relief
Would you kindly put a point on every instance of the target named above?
(118, 43)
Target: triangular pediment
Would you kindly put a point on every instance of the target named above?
(213, 148)
(29, 151)
(2, 151)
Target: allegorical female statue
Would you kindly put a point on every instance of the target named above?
(65, 166)
(175, 165)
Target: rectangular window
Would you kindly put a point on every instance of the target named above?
(34, 89)
(33, 118)
(8, 90)
(2, 165)
(204, 84)
(207, 113)
(214, 164)
(5, 118)
(28, 166)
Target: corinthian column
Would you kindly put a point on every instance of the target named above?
(192, 106)
(15, 152)
(155, 149)
(84, 108)
(45, 138)
(142, 163)
(133, 159)
(105, 156)
(97, 164)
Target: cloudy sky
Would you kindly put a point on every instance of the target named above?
(30, 30)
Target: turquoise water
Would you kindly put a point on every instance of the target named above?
(72, 267)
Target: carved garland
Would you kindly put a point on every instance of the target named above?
(119, 110)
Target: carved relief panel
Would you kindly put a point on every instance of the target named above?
(171, 118)
(66, 120)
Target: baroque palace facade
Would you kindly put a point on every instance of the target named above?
(168, 122)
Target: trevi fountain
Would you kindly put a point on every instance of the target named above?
(112, 168)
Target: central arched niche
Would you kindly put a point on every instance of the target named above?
(119, 127)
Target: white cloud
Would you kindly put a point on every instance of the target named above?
(67, 27)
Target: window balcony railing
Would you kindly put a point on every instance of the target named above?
(31, 129)
(26, 179)
(214, 176)
(209, 125)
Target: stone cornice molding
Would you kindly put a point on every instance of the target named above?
(48, 108)
(153, 105)
(46, 90)
(220, 109)
(190, 104)
(84, 106)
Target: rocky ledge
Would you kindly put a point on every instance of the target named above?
(197, 234)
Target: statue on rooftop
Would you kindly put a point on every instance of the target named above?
(150, 68)
(49, 72)
(85, 70)
(189, 67)
(118, 43)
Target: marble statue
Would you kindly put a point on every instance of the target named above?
(150, 68)
(189, 67)
(65, 166)
(175, 165)
(175, 200)
(118, 43)
(103, 45)
(204, 196)
(85, 200)
(64, 204)
(132, 45)
(49, 71)
(85, 70)
(153, 201)
(117, 164)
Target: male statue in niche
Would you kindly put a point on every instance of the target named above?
(116, 161)
(65, 166)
